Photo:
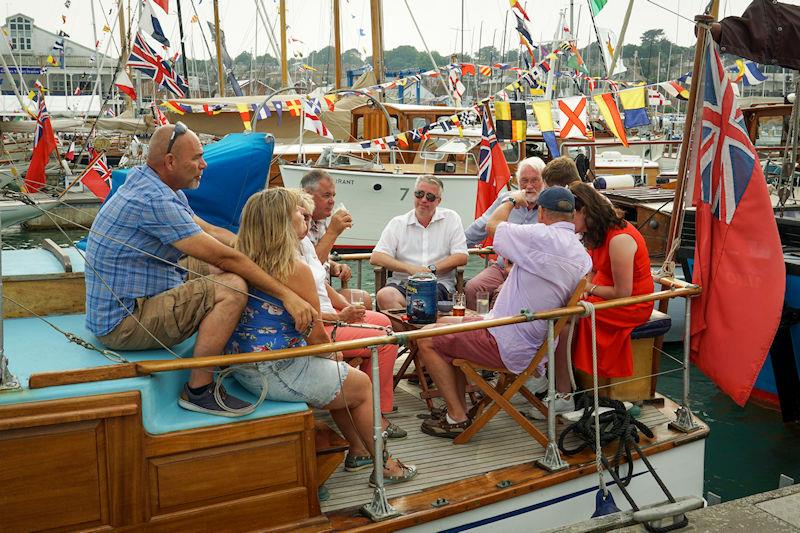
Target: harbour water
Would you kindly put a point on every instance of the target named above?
(747, 450)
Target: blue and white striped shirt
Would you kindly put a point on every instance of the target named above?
(143, 214)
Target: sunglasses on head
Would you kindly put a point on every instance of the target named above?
(179, 129)
(428, 195)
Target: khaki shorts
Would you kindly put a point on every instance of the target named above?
(171, 316)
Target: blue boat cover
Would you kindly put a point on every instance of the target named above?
(238, 167)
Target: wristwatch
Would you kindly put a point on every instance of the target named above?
(511, 201)
(432, 268)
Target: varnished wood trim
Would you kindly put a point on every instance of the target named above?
(59, 253)
(83, 375)
(34, 414)
(194, 439)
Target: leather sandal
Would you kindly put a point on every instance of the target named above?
(442, 428)
(409, 473)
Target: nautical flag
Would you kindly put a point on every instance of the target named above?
(454, 79)
(655, 98)
(163, 4)
(366, 145)
(633, 103)
(145, 59)
(420, 134)
(544, 116)
(515, 5)
(176, 107)
(749, 73)
(510, 121)
(212, 110)
(70, 155)
(125, 85)
(608, 108)
(44, 142)
(293, 106)
(609, 42)
(523, 29)
(457, 123)
(52, 61)
(159, 118)
(150, 24)
(277, 105)
(738, 260)
(485, 70)
(380, 143)
(312, 121)
(467, 68)
(596, 6)
(674, 89)
(97, 176)
(244, 114)
(402, 141)
(262, 111)
(572, 117)
(493, 172)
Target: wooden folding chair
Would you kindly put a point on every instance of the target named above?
(508, 384)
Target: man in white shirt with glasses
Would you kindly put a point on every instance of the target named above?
(427, 239)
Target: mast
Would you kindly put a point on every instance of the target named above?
(183, 46)
(220, 74)
(618, 49)
(337, 45)
(376, 17)
(284, 60)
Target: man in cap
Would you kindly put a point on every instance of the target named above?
(549, 261)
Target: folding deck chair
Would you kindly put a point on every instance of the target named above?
(508, 384)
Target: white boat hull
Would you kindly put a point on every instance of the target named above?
(374, 198)
(571, 502)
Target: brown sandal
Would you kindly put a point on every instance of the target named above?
(440, 427)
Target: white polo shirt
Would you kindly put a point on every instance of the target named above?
(405, 239)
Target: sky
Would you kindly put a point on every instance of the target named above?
(310, 22)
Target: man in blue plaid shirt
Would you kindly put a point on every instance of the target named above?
(138, 298)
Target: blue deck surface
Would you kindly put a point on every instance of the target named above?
(38, 261)
(34, 347)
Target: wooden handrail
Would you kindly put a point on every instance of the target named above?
(365, 256)
(145, 368)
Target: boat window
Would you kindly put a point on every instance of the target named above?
(770, 131)
(459, 145)
(510, 150)
(359, 127)
(418, 122)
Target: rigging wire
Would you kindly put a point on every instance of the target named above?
(671, 11)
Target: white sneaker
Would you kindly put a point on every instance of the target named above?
(563, 405)
(536, 385)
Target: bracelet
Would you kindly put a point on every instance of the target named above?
(592, 288)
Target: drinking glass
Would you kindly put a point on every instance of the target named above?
(482, 302)
(459, 304)
(357, 299)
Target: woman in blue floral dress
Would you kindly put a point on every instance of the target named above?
(268, 234)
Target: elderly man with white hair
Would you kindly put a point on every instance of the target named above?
(529, 177)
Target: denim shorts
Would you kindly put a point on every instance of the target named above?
(313, 380)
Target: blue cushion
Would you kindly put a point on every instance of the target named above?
(658, 325)
(34, 347)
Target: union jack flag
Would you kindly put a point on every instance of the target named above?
(488, 140)
(146, 60)
(726, 155)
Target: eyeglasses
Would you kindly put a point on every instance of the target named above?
(428, 195)
(179, 129)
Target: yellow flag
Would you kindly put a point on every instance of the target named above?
(31, 95)
(244, 114)
(106, 28)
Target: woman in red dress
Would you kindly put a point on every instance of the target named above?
(620, 268)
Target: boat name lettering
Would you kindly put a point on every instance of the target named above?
(344, 181)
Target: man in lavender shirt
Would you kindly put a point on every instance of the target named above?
(549, 261)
